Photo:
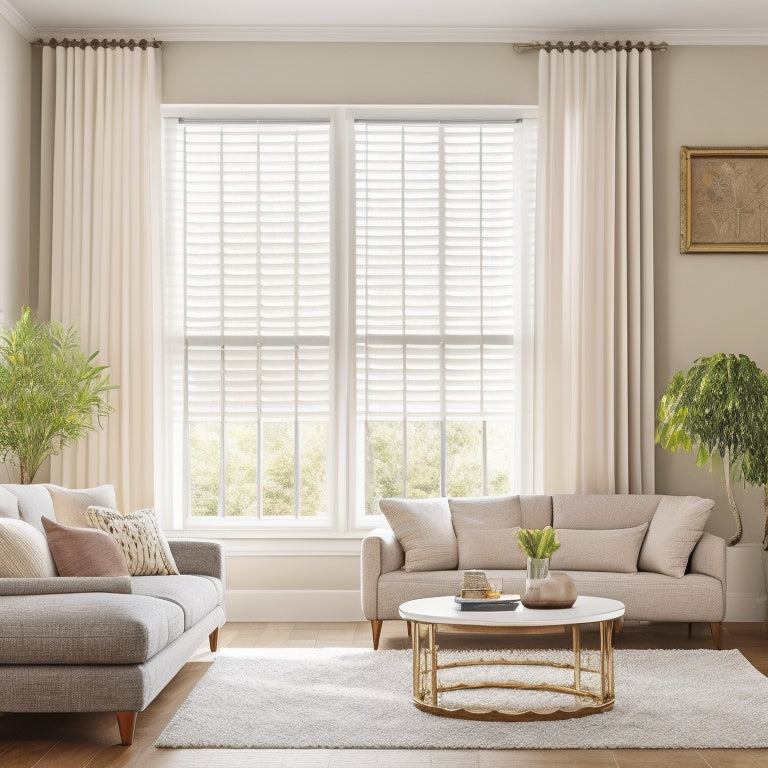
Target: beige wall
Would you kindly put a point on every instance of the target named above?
(347, 73)
(15, 98)
(706, 303)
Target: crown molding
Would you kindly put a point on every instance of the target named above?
(17, 21)
(755, 36)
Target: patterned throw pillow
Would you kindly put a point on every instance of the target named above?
(144, 546)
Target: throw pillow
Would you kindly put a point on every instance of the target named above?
(673, 533)
(69, 505)
(423, 528)
(611, 549)
(144, 546)
(486, 532)
(24, 551)
(84, 551)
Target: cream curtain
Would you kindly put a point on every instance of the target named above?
(100, 225)
(594, 406)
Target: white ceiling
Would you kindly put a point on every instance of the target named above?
(678, 21)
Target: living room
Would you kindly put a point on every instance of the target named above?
(707, 92)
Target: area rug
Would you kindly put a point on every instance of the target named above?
(359, 698)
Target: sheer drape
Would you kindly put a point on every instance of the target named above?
(100, 210)
(594, 279)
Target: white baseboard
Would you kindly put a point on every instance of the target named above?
(294, 605)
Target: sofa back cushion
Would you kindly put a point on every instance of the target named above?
(486, 531)
(613, 549)
(537, 511)
(602, 511)
(34, 502)
(24, 551)
(9, 504)
(673, 533)
(423, 528)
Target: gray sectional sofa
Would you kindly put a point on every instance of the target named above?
(102, 643)
(648, 551)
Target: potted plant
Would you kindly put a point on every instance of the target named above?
(544, 589)
(719, 408)
(50, 392)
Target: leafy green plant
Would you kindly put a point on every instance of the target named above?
(720, 408)
(538, 543)
(50, 392)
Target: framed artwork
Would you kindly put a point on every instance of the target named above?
(723, 200)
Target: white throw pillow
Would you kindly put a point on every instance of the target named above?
(423, 528)
(486, 532)
(674, 531)
(139, 535)
(70, 504)
(609, 549)
(24, 551)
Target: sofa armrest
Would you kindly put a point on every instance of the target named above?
(380, 553)
(59, 585)
(708, 557)
(198, 557)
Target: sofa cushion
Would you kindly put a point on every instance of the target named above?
(34, 502)
(676, 527)
(486, 532)
(614, 550)
(70, 504)
(84, 551)
(600, 511)
(86, 628)
(425, 532)
(24, 551)
(139, 535)
(197, 596)
(9, 504)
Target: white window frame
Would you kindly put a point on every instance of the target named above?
(344, 521)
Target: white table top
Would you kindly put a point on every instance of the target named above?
(444, 610)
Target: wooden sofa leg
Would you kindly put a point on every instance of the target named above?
(717, 633)
(410, 629)
(213, 640)
(126, 723)
(376, 631)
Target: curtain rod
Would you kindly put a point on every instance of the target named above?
(585, 46)
(66, 43)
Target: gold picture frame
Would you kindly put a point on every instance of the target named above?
(723, 200)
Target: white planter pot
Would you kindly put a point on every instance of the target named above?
(746, 596)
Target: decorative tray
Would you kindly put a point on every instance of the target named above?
(503, 603)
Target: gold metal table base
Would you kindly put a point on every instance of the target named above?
(427, 686)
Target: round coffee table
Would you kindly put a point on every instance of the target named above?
(432, 614)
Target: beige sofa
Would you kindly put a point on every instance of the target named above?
(95, 643)
(648, 551)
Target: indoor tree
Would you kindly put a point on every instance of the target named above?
(719, 407)
(50, 391)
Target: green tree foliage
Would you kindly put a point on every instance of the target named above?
(718, 408)
(50, 392)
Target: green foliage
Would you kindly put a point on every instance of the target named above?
(719, 408)
(713, 408)
(49, 392)
(538, 543)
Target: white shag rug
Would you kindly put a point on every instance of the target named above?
(297, 698)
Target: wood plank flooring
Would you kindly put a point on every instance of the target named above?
(91, 740)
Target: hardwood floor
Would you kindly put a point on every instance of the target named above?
(91, 740)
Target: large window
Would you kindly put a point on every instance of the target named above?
(336, 337)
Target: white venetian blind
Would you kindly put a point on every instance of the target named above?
(444, 224)
(254, 229)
